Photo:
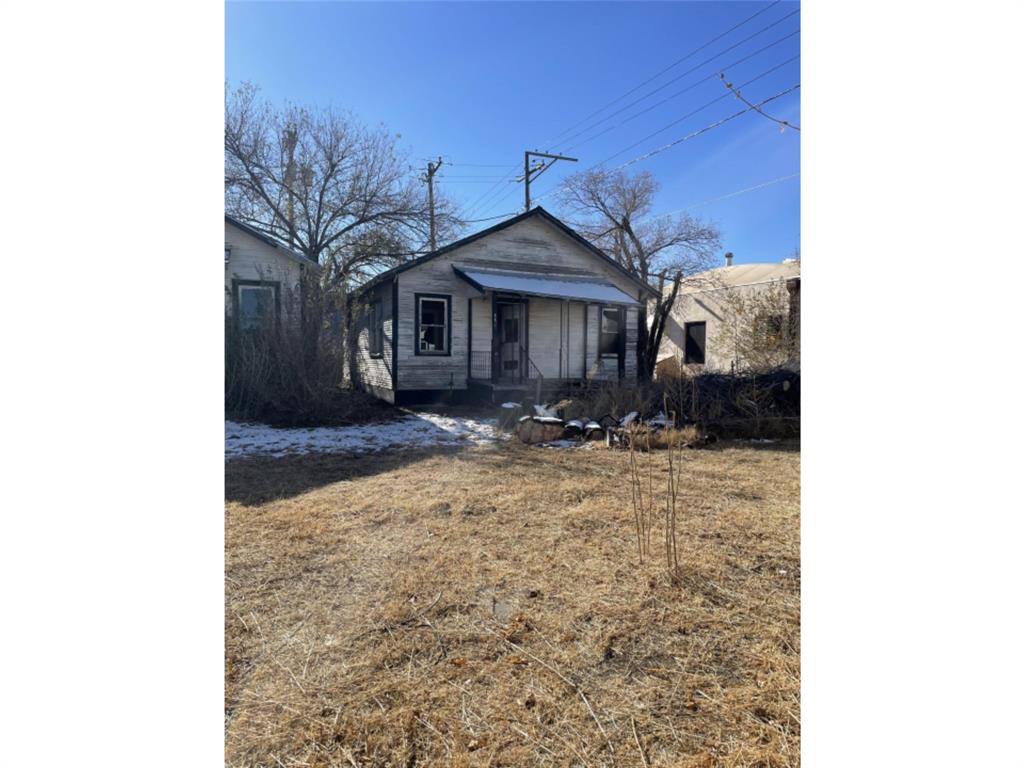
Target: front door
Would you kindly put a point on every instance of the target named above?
(510, 335)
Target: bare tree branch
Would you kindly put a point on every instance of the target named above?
(610, 208)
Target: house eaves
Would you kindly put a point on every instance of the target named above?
(538, 211)
(285, 251)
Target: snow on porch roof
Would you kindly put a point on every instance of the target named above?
(554, 287)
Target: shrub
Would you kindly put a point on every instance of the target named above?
(293, 374)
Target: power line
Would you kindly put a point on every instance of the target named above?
(487, 195)
(689, 136)
(663, 71)
(726, 196)
(707, 128)
(700, 109)
(664, 128)
(678, 77)
(494, 195)
(688, 88)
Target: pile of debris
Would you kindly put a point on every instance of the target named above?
(546, 424)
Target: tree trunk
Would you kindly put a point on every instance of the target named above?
(650, 338)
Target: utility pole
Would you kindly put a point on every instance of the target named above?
(529, 174)
(432, 168)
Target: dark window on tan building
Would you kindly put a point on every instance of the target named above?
(695, 343)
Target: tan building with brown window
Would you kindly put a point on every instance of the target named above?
(735, 318)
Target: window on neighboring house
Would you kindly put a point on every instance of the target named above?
(695, 337)
(612, 328)
(376, 329)
(769, 329)
(227, 254)
(257, 306)
(432, 320)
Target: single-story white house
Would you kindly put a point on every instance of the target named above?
(526, 299)
(262, 277)
(700, 331)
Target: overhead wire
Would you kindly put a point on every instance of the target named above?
(684, 74)
(663, 71)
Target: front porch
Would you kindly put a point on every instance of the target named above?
(531, 344)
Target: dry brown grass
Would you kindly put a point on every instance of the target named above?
(486, 608)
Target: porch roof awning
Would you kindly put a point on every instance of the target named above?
(581, 289)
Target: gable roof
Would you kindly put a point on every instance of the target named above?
(539, 212)
(285, 251)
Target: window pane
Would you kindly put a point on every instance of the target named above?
(376, 328)
(255, 305)
(694, 352)
(610, 321)
(610, 330)
(432, 338)
(432, 312)
(433, 317)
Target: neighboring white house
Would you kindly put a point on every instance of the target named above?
(701, 331)
(262, 277)
(526, 299)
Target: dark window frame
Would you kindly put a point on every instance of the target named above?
(447, 299)
(620, 335)
(236, 299)
(376, 329)
(687, 360)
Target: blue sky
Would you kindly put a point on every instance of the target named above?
(478, 83)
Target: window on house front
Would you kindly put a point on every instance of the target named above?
(257, 306)
(695, 338)
(432, 316)
(376, 328)
(611, 330)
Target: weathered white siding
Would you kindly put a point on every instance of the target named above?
(575, 352)
(373, 373)
(555, 327)
(252, 259)
(545, 335)
(482, 331)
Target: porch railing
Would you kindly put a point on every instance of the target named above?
(484, 364)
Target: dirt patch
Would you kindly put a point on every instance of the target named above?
(486, 607)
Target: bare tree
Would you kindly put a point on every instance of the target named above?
(609, 208)
(332, 189)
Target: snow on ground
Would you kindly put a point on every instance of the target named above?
(421, 430)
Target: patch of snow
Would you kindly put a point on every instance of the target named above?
(660, 420)
(421, 430)
(762, 440)
(543, 410)
(564, 444)
(510, 405)
(547, 419)
(628, 419)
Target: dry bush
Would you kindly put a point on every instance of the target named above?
(595, 399)
(483, 608)
(292, 374)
